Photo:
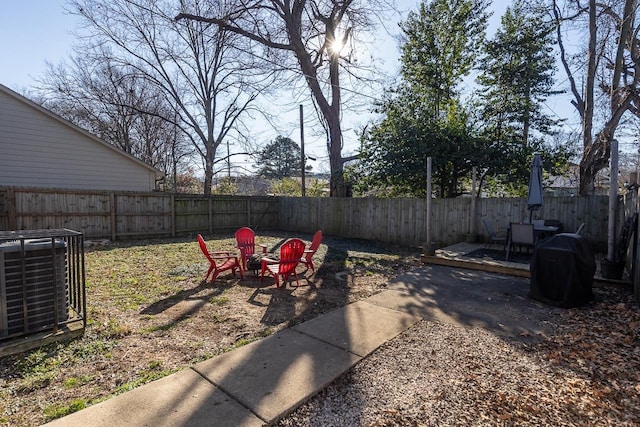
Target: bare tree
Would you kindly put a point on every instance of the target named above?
(202, 70)
(119, 107)
(613, 66)
(313, 31)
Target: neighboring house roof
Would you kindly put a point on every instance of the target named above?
(38, 148)
(569, 184)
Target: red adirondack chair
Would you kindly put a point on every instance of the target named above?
(290, 255)
(307, 258)
(219, 261)
(245, 242)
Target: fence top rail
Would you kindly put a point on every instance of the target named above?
(34, 234)
(180, 196)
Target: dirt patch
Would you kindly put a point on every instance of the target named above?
(150, 314)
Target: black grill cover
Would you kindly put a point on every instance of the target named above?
(562, 271)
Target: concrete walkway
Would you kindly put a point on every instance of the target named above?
(259, 383)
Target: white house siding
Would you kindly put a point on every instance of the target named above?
(39, 149)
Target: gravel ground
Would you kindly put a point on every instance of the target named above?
(438, 374)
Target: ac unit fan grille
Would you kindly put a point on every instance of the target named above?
(41, 290)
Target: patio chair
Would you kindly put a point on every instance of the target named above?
(307, 258)
(245, 242)
(520, 234)
(290, 256)
(219, 261)
(493, 237)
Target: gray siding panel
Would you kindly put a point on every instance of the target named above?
(37, 150)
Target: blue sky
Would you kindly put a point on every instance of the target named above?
(32, 32)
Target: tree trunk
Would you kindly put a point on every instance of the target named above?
(591, 149)
(595, 157)
(337, 184)
(208, 176)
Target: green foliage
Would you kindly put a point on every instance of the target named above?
(113, 329)
(219, 301)
(293, 187)
(88, 349)
(281, 158)
(396, 150)
(286, 187)
(443, 40)
(225, 186)
(57, 411)
(41, 367)
(75, 382)
(37, 361)
(144, 376)
(36, 381)
(154, 364)
(185, 182)
(316, 188)
(423, 115)
(509, 174)
(517, 77)
(242, 342)
(38, 369)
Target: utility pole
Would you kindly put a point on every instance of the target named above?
(228, 161)
(302, 160)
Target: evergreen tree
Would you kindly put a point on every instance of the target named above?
(396, 150)
(443, 40)
(280, 159)
(424, 116)
(517, 77)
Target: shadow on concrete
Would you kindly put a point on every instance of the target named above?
(470, 298)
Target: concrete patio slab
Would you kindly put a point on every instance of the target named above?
(360, 327)
(181, 399)
(469, 298)
(276, 374)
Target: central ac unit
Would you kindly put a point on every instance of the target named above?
(33, 285)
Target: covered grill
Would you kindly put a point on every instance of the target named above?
(562, 271)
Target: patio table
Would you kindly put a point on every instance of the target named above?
(540, 232)
(539, 229)
(254, 262)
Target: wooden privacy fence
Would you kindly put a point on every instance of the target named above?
(138, 215)
(195, 214)
(122, 215)
(403, 221)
